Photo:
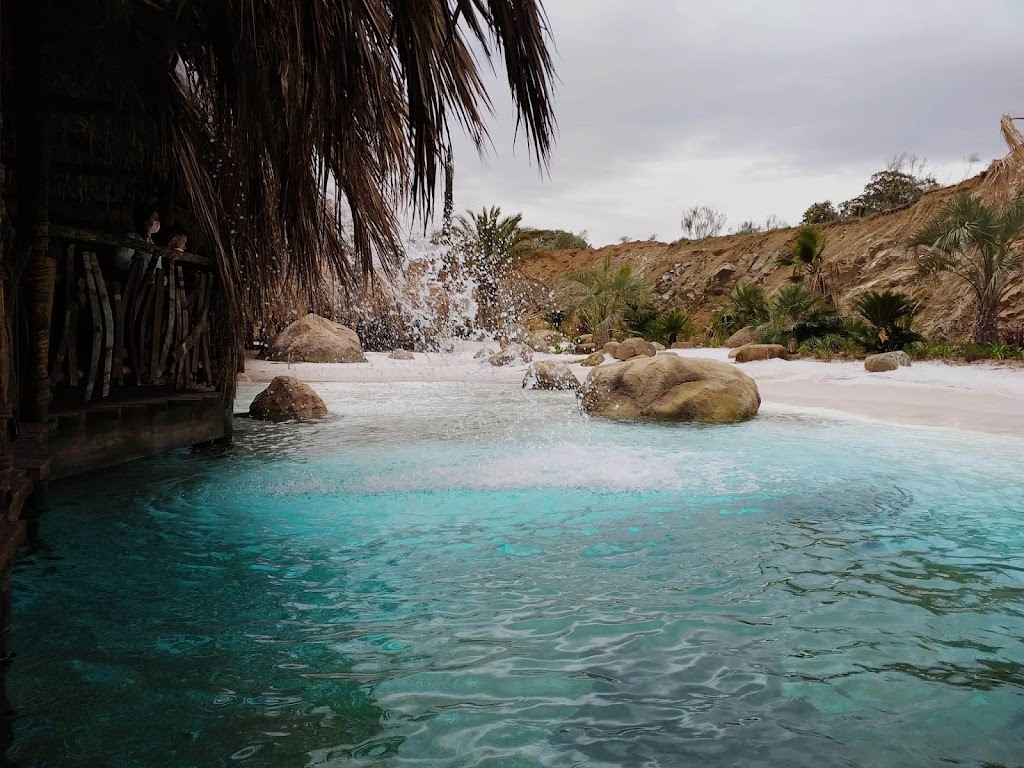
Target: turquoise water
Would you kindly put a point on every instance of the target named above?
(455, 575)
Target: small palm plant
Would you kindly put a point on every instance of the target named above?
(798, 314)
(750, 305)
(889, 316)
(487, 240)
(807, 258)
(975, 242)
(675, 326)
(601, 295)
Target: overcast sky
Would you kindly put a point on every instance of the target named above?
(753, 107)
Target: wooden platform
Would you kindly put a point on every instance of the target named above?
(128, 425)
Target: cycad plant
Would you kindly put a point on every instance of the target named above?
(888, 317)
(675, 326)
(601, 295)
(975, 242)
(807, 258)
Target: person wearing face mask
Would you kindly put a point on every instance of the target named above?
(147, 224)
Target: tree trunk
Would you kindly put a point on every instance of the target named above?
(986, 326)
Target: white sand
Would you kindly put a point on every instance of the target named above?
(977, 397)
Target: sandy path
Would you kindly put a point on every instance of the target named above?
(979, 397)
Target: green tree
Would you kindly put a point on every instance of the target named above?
(887, 189)
(975, 242)
(675, 326)
(487, 241)
(807, 258)
(602, 294)
(889, 316)
(820, 213)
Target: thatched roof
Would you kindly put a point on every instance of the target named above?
(250, 112)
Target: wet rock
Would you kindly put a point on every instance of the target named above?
(671, 388)
(315, 339)
(287, 399)
(594, 360)
(550, 375)
(402, 354)
(483, 354)
(513, 354)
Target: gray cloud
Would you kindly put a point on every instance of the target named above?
(764, 107)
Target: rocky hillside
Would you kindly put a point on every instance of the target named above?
(866, 253)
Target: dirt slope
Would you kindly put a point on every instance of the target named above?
(867, 254)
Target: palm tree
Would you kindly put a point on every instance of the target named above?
(889, 315)
(807, 258)
(674, 326)
(487, 241)
(750, 305)
(975, 242)
(602, 294)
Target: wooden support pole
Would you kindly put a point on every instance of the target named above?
(33, 172)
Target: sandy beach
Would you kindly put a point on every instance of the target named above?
(979, 397)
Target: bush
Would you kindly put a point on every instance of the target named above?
(967, 351)
(820, 213)
(888, 317)
(702, 222)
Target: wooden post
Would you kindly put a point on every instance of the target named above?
(33, 172)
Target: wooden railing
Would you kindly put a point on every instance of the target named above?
(150, 326)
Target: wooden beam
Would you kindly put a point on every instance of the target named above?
(120, 241)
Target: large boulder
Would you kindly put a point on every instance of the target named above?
(287, 399)
(887, 361)
(750, 352)
(513, 354)
(634, 347)
(671, 388)
(315, 339)
(550, 375)
(402, 354)
(594, 360)
(658, 346)
(741, 337)
(610, 347)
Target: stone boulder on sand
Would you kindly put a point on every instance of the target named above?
(513, 354)
(671, 388)
(550, 375)
(741, 337)
(287, 399)
(658, 346)
(402, 354)
(634, 347)
(683, 345)
(610, 347)
(315, 339)
(594, 360)
(751, 352)
(887, 361)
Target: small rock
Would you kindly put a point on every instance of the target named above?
(741, 337)
(610, 347)
(594, 360)
(748, 353)
(513, 354)
(550, 375)
(483, 354)
(682, 345)
(287, 399)
(402, 354)
(659, 347)
(887, 361)
(634, 347)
